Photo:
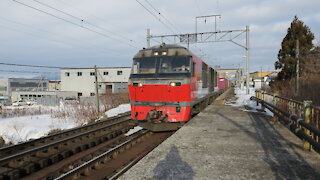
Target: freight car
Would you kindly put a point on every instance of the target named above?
(167, 85)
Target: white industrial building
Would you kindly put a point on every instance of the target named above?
(82, 80)
(35, 95)
(15, 89)
(9, 85)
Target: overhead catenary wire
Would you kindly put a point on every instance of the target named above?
(198, 7)
(161, 14)
(73, 23)
(79, 44)
(148, 2)
(83, 21)
(99, 19)
(168, 27)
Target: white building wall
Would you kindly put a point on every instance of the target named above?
(4, 87)
(54, 86)
(82, 81)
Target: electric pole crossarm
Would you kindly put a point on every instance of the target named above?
(238, 34)
(206, 37)
(238, 44)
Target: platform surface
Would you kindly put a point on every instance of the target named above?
(225, 142)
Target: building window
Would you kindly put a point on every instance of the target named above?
(79, 94)
(92, 94)
(92, 73)
(67, 74)
(105, 73)
(119, 72)
(79, 73)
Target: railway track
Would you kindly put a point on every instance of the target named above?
(114, 162)
(23, 159)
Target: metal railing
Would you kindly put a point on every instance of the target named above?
(302, 118)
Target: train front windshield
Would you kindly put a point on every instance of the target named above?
(161, 65)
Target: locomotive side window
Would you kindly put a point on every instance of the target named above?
(204, 75)
(144, 66)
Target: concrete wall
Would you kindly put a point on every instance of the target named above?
(54, 86)
(82, 80)
(257, 83)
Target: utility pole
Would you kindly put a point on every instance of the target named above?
(97, 91)
(148, 38)
(247, 57)
(297, 67)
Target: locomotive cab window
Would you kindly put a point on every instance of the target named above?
(144, 66)
(174, 65)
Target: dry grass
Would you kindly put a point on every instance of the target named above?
(114, 100)
(17, 112)
(2, 142)
(52, 131)
(87, 112)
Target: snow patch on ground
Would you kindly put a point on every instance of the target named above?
(134, 130)
(243, 99)
(118, 110)
(23, 128)
(19, 129)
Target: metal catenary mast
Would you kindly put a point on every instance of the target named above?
(209, 37)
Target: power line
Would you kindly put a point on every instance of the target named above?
(155, 16)
(83, 21)
(148, 2)
(100, 19)
(33, 72)
(27, 65)
(80, 43)
(68, 21)
(47, 5)
(198, 7)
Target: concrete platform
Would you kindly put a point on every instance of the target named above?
(224, 142)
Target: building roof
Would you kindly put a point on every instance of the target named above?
(227, 69)
(23, 79)
(99, 68)
(260, 74)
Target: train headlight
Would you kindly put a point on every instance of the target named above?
(137, 84)
(175, 84)
(164, 53)
(156, 53)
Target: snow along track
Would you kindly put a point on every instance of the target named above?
(23, 159)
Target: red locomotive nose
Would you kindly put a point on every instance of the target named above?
(168, 84)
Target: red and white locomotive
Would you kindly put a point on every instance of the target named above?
(167, 85)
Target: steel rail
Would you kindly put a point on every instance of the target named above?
(4, 150)
(21, 154)
(101, 156)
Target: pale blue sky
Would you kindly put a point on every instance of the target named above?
(30, 37)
